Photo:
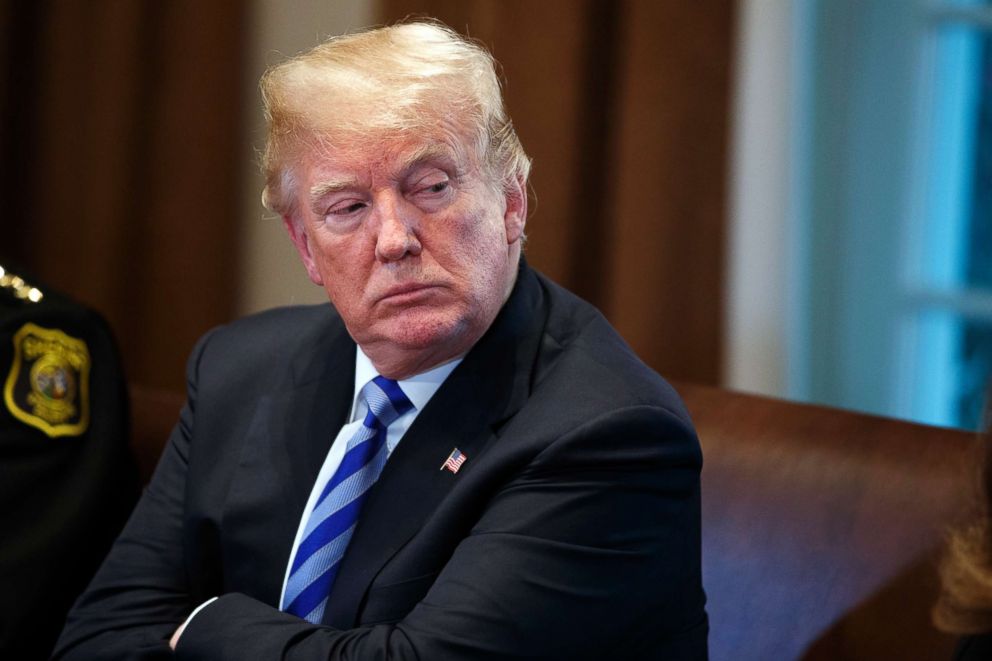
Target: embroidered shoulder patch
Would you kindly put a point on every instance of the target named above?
(48, 384)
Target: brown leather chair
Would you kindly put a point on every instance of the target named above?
(821, 528)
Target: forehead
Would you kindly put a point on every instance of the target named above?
(387, 153)
(386, 156)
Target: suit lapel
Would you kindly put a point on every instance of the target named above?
(489, 386)
(311, 415)
(315, 410)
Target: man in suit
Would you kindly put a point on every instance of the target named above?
(541, 494)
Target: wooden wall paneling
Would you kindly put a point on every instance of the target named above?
(542, 49)
(132, 181)
(666, 292)
(187, 235)
(83, 169)
(19, 25)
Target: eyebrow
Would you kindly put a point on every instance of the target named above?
(321, 189)
(425, 154)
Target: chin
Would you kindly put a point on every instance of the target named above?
(428, 331)
(428, 337)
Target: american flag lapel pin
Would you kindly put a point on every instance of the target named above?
(454, 461)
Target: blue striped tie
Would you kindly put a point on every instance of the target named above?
(333, 518)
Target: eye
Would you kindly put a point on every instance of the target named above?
(427, 180)
(435, 188)
(432, 186)
(353, 207)
(346, 208)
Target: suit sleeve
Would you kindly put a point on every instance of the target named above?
(592, 551)
(141, 592)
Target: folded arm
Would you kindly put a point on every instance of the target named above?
(590, 551)
(141, 593)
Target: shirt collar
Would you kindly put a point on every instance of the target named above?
(419, 388)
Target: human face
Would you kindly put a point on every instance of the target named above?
(416, 247)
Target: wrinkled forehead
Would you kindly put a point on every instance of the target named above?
(383, 157)
(373, 150)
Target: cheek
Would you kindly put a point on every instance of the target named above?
(475, 241)
(488, 247)
(482, 258)
(343, 273)
(342, 254)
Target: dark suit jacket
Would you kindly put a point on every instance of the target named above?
(571, 531)
(974, 648)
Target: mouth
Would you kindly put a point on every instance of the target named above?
(407, 293)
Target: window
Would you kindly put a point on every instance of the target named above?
(947, 327)
(894, 206)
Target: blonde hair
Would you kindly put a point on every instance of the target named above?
(406, 79)
(965, 602)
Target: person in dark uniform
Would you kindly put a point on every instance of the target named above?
(67, 480)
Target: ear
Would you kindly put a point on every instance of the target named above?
(298, 235)
(515, 216)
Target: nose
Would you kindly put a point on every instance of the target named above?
(397, 236)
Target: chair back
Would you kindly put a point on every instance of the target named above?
(821, 528)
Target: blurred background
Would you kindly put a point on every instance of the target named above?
(789, 197)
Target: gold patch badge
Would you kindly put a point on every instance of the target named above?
(48, 384)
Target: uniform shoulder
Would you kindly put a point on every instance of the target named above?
(30, 307)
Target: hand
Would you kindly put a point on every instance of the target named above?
(175, 637)
(182, 627)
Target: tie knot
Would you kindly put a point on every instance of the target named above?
(386, 401)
